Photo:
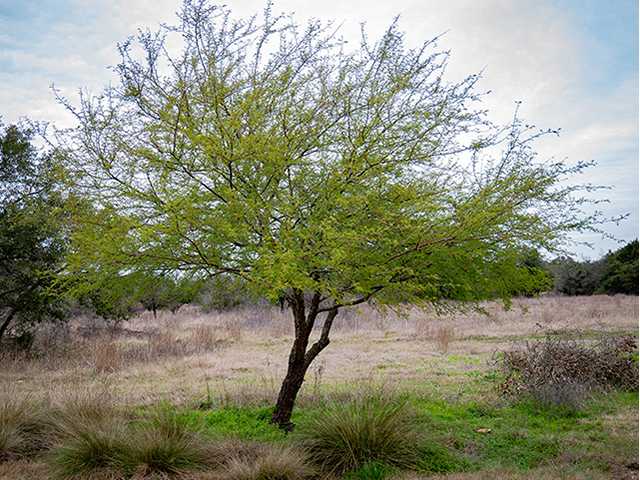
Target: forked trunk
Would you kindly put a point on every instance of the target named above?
(300, 358)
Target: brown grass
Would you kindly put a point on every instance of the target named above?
(243, 353)
(444, 337)
(107, 357)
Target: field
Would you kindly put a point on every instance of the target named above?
(228, 366)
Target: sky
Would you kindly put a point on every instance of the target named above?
(573, 65)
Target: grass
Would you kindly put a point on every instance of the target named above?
(368, 429)
(189, 396)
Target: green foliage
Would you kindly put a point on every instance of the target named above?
(90, 437)
(250, 424)
(162, 291)
(576, 278)
(31, 243)
(369, 471)
(621, 275)
(533, 265)
(310, 168)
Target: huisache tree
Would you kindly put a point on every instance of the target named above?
(320, 174)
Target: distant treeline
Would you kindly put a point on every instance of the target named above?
(616, 272)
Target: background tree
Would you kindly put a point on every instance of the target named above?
(577, 278)
(327, 177)
(615, 272)
(621, 274)
(31, 244)
(532, 263)
(157, 292)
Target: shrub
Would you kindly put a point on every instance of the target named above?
(560, 371)
(369, 429)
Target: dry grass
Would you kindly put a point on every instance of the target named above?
(242, 354)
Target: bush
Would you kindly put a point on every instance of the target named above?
(560, 371)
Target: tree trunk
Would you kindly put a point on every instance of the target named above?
(5, 324)
(300, 358)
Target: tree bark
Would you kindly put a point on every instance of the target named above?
(300, 357)
(5, 324)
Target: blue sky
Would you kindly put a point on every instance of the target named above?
(572, 63)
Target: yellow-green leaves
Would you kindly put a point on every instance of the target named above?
(282, 157)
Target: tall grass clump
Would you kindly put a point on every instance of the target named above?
(166, 444)
(21, 426)
(92, 440)
(268, 462)
(96, 453)
(560, 372)
(370, 429)
(95, 440)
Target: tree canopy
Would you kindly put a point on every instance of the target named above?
(31, 244)
(321, 174)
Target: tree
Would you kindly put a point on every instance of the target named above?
(159, 292)
(621, 274)
(577, 278)
(326, 177)
(31, 244)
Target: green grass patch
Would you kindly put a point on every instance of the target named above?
(235, 421)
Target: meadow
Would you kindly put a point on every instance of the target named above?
(205, 382)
